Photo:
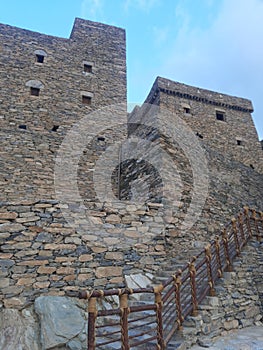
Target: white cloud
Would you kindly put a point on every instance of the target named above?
(225, 57)
(92, 9)
(160, 35)
(142, 5)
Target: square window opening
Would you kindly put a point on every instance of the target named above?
(187, 110)
(86, 100)
(220, 116)
(40, 58)
(87, 68)
(240, 142)
(34, 91)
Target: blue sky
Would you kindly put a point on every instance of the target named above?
(213, 44)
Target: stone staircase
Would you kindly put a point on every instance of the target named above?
(236, 305)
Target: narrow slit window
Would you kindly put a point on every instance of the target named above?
(240, 143)
(40, 58)
(55, 128)
(220, 116)
(87, 68)
(86, 100)
(199, 135)
(34, 91)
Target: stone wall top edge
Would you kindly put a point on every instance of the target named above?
(221, 98)
(6, 29)
(79, 24)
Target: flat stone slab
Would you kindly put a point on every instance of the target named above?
(250, 338)
(61, 320)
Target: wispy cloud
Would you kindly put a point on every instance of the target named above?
(227, 56)
(92, 9)
(160, 35)
(142, 5)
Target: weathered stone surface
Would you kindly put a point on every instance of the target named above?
(86, 257)
(18, 331)
(61, 320)
(10, 215)
(15, 302)
(8, 227)
(108, 271)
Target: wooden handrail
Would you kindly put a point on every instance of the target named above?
(174, 299)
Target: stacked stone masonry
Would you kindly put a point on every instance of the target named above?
(238, 302)
(33, 127)
(48, 84)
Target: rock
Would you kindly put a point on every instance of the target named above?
(8, 215)
(205, 342)
(113, 219)
(4, 282)
(74, 345)
(44, 237)
(61, 320)
(108, 271)
(5, 264)
(17, 303)
(114, 256)
(18, 331)
(8, 227)
(230, 324)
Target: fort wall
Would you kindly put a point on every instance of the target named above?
(71, 78)
(47, 85)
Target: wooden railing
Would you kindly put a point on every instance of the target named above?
(134, 324)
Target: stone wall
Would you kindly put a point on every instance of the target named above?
(169, 163)
(48, 84)
(235, 135)
(238, 301)
(42, 254)
(91, 63)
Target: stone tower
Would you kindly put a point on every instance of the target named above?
(48, 84)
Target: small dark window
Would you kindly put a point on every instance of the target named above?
(187, 110)
(101, 138)
(55, 128)
(40, 58)
(22, 127)
(34, 91)
(240, 143)
(86, 100)
(252, 166)
(87, 68)
(199, 135)
(220, 116)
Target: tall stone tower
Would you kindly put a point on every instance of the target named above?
(47, 84)
(221, 121)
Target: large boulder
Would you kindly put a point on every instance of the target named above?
(61, 320)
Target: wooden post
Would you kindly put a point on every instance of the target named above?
(254, 216)
(92, 310)
(208, 257)
(240, 224)
(192, 271)
(178, 283)
(261, 219)
(124, 312)
(234, 227)
(218, 257)
(246, 213)
(226, 250)
(159, 316)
